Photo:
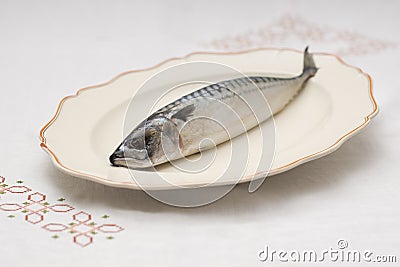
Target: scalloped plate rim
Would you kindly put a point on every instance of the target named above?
(130, 185)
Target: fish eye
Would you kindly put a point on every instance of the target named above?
(137, 143)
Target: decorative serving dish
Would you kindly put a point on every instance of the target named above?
(335, 105)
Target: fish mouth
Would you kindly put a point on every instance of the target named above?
(131, 163)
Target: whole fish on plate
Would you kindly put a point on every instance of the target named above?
(178, 129)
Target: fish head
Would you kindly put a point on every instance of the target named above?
(154, 141)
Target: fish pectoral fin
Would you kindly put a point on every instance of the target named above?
(171, 136)
(184, 113)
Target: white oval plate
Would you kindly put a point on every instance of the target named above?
(335, 105)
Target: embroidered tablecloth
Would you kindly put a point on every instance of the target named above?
(50, 49)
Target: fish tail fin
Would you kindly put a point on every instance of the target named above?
(309, 65)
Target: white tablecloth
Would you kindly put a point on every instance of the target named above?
(50, 49)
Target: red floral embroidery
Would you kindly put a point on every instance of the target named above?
(16, 189)
(294, 28)
(83, 228)
(35, 207)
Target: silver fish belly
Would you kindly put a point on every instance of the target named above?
(219, 112)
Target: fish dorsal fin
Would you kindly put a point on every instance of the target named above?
(184, 113)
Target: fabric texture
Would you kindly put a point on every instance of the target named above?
(51, 49)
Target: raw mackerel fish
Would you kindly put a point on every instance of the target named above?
(217, 112)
